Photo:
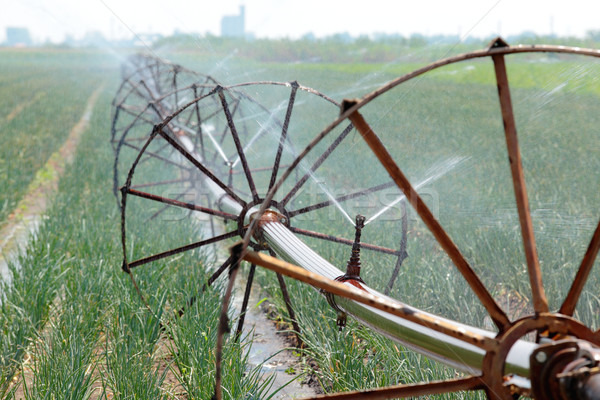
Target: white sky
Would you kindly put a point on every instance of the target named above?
(53, 19)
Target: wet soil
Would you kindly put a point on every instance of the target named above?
(271, 349)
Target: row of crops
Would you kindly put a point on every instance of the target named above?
(43, 96)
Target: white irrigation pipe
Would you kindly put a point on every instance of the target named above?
(429, 342)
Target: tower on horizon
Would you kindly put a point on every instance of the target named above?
(233, 25)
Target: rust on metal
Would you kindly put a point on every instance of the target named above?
(568, 306)
(352, 274)
(393, 308)
(268, 216)
(494, 361)
(469, 383)
(540, 303)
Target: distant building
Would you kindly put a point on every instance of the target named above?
(233, 25)
(18, 37)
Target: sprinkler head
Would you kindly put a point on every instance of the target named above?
(230, 174)
(269, 216)
(353, 266)
(352, 274)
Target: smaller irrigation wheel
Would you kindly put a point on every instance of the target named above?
(150, 90)
(213, 159)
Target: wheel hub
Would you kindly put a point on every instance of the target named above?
(556, 367)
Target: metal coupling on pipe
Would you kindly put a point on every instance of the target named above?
(566, 370)
(269, 216)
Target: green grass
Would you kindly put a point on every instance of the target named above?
(72, 312)
(42, 95)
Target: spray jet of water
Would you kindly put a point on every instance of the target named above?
(208, 129)
(434, 173)
(327, 193)
(263, 128)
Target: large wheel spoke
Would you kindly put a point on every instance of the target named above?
(196, 112)
(131, 124)
(340, 199)
(336, 239)
(238, 146)
(403, 254)
(132, 140)
(317, 164)
(540, 303)
(568, 306)
(223, 135)
(158, 183)
(181, 249)
(156, 103)
(244, 308)
(261, 169)
(181, 204)
(496, 313)
(411, 390)
(202, 168)
(165, 208)
(137, 112)
(284, 129)
(151, 154)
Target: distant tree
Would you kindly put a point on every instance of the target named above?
(343, 37)
(309, 37)
(417, 40)
(593, 35)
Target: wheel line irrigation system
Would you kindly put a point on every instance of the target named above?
(564, 358)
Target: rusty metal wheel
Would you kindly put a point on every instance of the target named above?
(211, 160)
(564, 354)
(150, 90)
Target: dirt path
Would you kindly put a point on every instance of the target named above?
(267, 345)
(20, 107)
(266, 350)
